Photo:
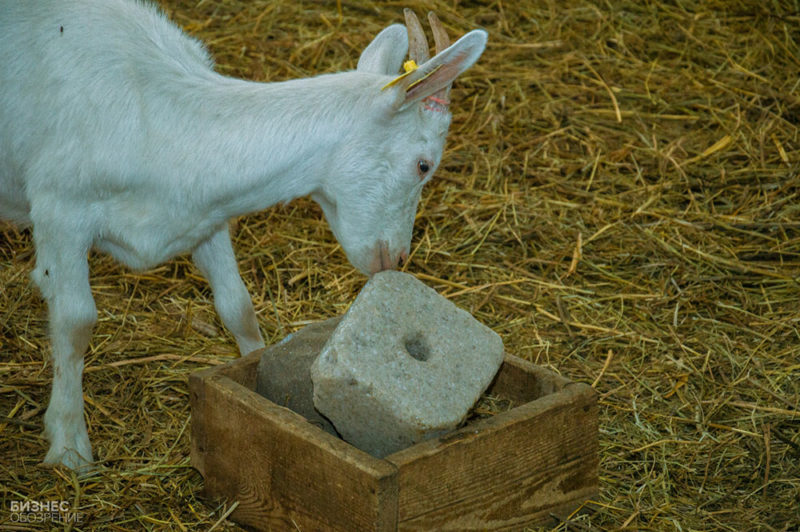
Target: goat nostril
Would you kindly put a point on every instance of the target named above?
(402, 258)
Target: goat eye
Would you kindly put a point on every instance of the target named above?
(423, 167)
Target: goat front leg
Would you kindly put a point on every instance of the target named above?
(62, 274)
(216, 261)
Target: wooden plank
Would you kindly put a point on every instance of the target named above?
(504, 472)
(243, 370)
(284, 472)
(522, 382)
(198, 429)
(515, 505)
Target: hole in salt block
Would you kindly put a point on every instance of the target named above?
(417, 347)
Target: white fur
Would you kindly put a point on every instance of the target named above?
(116, 133)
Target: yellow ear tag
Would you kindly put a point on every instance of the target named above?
(409, 67)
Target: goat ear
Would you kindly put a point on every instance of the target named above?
(386, 52)
(440, 71)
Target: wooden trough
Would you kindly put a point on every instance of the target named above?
(519, 468)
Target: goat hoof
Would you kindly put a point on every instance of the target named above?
(71, 456)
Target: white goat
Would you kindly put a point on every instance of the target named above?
(116, 133)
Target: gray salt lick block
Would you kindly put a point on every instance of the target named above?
(284, 371)
(404, 365)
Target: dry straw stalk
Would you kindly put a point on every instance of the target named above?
(619, 200)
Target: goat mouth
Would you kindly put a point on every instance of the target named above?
(382, 260)
(386, 260)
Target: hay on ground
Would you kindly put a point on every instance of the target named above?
(619, 200)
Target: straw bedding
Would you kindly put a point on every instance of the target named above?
(619, 200)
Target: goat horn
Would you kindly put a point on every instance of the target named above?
(439, 33)
(417, 43)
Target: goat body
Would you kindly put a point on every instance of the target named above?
(116, 133)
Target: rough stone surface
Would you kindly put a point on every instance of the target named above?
(284, 371)
(405, 364)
